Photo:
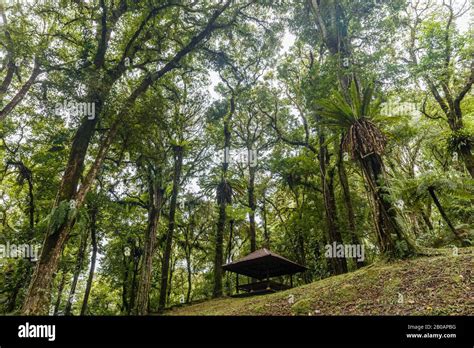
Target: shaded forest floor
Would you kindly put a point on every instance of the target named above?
(434, 285)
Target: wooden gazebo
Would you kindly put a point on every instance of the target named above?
(262, 265)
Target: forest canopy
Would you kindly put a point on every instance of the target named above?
(145, 144)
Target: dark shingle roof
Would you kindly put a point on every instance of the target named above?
(263, 263)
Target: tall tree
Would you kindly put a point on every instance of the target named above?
(441, 57)
(69, 198)
(178, 154)
(366, 144)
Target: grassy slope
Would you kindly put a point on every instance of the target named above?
(436, 285)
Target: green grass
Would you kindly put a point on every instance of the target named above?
(433, 285)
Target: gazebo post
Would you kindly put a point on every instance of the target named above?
(291, 280)
(237, 282)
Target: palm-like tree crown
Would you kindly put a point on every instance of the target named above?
(355, 115)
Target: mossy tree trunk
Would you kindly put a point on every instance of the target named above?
(93, 230)
(351, 222)
(178, 153)
(222, 201)
(338, 265)
(77, 271)
(391, 239)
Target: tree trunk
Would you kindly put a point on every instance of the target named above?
(252, 206)
(265, 225)
(178, 162)
(229, 242)
(441, 210)
(20, 95)
(301, 254)
(385, 221)
(125, 303)
(468, 157)
(218, 257)
(93, 215)
(228, 254)
(338, 265)
(60, 293)
(136, 264)
(189, 270)
(77, 272)
(147, 261)
(155, 192)
(37, 300)
(349, 208)
(222, 201)
(170, 280)
(31, 208)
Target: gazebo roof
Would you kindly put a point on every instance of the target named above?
(263, 263)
